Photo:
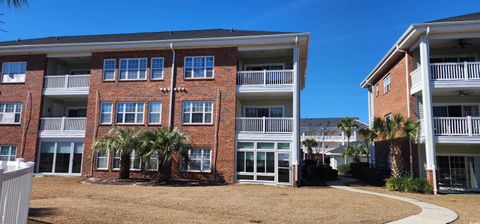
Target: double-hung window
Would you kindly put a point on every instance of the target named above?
(102, 159)
(155, 113)
(199, 67)
(199, 160)
(134, 161)
(106, 113)
(109, 69)
(156, 72)
(14, 72)
(197, 112)
(130, 112)
(133, 69)
(10, 113)
(8, 152)
(387, 84)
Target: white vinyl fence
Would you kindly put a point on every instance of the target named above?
(16, 187)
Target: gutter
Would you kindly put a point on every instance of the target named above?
(172, 78)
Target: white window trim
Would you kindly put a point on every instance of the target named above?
(201, 162)
(108, 161)
(269, 107)
(387, 87)
(2, 111)
(246, 66)
(13, 62)
(124, 112)
(10, 152)
(151, 68)
(160, 112)
(114, 72)
(191, 112)
(138, 69)
(111, 113)
(193, 67)
(132, 159)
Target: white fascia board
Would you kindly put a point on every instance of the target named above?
(178, 43)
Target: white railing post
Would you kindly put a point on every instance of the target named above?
(62, 125)
(465, 70)
(66, 81)
(264, 124)
(264, 77)
(470, 126)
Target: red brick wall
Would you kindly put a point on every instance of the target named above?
(19, 93)
(223, 84)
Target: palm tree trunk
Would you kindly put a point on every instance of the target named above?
(396, 163)
(125, 162)
(348, 147)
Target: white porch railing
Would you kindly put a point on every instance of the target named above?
(416, 77)
(16, 188)
(456, 126)
(264, 124)
(62, 123)
(328, 138)
(265, 77)
(455, 71)
(67, 81)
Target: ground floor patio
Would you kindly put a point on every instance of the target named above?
(66, 200)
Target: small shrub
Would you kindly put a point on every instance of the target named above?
(343, 168)
(408, 184)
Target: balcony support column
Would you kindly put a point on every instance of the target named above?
(427, 110)
(296, 109)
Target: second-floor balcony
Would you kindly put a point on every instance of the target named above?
(275, 125)
(451, 127)
(63, 126)
(66, 84)
(265, 81)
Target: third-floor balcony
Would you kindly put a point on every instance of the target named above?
(66, 85)
(265, 81)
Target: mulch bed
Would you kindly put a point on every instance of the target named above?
(150, 182)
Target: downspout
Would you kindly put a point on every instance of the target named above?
(28, 117)
(95, 130)
(172, 78)
(217, 126)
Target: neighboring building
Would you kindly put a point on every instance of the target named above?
(331, 140)
(432, 73)
(236, 93)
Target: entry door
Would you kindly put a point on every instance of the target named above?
(452, 172)
(283, 167)
(60, 157)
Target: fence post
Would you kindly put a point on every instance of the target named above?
(470, 126)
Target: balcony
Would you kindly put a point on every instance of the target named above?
(456, 129)
(273, 125)
(66, 85)
(63, 126)
(265, 81)
(329, 138)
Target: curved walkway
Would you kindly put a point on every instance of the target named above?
(430, 213)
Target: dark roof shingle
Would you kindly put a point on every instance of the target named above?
(466, 17)
(166, 35)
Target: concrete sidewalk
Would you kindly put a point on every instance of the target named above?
(431, 214)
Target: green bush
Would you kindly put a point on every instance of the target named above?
(343, 168)
(408, 184)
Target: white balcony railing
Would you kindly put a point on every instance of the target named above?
(329, 138)
(67, 82)
(63, 124)
(416, 77)
(455, 126)
(264, 124)
(265, 77)
(455, 71)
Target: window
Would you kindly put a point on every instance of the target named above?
(106, 113)
(388, 117)
(109, 69)
(199, 160)
(133, 69)
(157, 68)
(130, 113)
(102, 159)
(152, 163)
(197, 112)
(263, 111)
(377, 90)
(10, 113)
(77, 112)
(387, 84)
(13, 72)
(264, 67)
(8, 152)
(134, 161)
(155, 113)
(198, 67)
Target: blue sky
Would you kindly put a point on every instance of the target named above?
(347, 37)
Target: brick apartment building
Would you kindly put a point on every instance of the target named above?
(432, 73)
(235, 93)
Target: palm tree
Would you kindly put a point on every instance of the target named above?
(368, 136)
(164, 143)
(347, 125)
(121, 141)
(395, 131)
(356, 151)
(310, 143)
(14, 3)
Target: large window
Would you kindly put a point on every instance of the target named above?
(156, 68)
(263, 111)
(199, 67)
(14, 72)
(8, 152)
(134, 161)
(197, 112)
(155, 113)
(387, 84)
(130, 113)
(199, 160)
(106, 113)
(133, 69)
(10, 113)
(102, 159)
(109, 69)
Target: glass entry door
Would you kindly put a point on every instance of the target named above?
(283, 167)
(60, 157)
(459, 173)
